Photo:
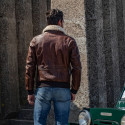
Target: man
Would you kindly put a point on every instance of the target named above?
(52, 53)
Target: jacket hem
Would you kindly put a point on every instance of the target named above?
(53, 84)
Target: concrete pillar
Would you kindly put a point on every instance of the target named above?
(120, 4)
(114, 50)
(107, 51)
(8, 58)
(120, 38)
(74, 25)
(48, 4)
(39, 8)
(24, 28)
(103, 58)
(100, 55)
(92, 52)
(111, 52)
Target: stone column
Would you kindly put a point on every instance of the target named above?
(114, 50)
(48, 4)
(103, 53)
(8, 58)
(111, 51)
(92, 52)
(39, 8)
(96, 58)
(74, 25)
(120, 4)
(24, 28)
(100, 54)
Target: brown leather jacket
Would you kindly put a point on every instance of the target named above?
(55, 55)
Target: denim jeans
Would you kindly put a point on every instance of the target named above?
(61, 98)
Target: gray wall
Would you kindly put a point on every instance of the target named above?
(24, 32)
(105, 21)
(20, 20)
(30, 20)
(9, 83)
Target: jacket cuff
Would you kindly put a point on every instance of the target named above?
(30, 92)
(73, 91)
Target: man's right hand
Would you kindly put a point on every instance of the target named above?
(31, 99)
(72, 96)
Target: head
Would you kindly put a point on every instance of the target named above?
(55, 17)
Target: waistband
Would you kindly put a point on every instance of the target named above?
(53, 84)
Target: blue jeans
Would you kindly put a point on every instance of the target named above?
(61, 98)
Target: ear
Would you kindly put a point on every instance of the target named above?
(60, 23)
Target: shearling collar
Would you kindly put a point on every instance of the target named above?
(54, 27)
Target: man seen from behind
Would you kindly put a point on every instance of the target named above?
(55, 57)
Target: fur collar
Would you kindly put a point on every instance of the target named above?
(54, 27)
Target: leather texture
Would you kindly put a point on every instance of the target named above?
(56, 57)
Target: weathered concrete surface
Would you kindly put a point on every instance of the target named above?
(92, 53)
(24, 28)
(17, 27)
(114, 50)
(100, 55)
(39, 8)
(107, 51)
(103, 51)
(74, 25)
(8, 58)
(111, 52)
(48, 4)
(120, 6)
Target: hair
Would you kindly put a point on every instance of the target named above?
(53, 16)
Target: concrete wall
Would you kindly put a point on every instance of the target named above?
(74, 25)
(20, 20)
(24, 28)
(39, 20)
(30, 20)
(9, 83)
(121, 38)
(105, 24)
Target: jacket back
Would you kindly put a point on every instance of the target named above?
(56, 57)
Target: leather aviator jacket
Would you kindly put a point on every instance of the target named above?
(55, 55)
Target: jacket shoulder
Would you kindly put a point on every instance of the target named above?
(69, 38)
(36, 40)
(71, 41)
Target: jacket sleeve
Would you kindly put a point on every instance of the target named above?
(76, 67)
(30, 68)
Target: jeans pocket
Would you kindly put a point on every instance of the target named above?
(62, 94)
(43, 93)
(68, 93)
